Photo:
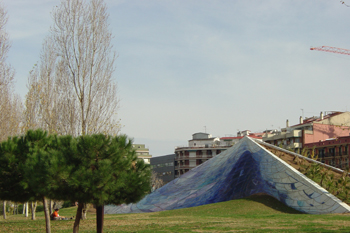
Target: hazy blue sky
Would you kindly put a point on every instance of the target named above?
(189, 65)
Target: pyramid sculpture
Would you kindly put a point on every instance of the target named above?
(245, 169)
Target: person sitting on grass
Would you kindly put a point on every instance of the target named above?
(56, 216)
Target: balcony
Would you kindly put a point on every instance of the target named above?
(342, 154)
(328, 155)
(283, 135)
(184, 157)
(294, 145)
(182, 148)
(184, 167)
(334, 155)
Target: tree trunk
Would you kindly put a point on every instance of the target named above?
(51, 205)
(33, 209)
(47, 216)
(26, 212)
(4, 209)
(99, 218)
(85, 208)
(78, 217)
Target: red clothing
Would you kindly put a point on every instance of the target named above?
(55, 214)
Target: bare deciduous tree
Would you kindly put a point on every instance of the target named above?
(82, 42)
(71, 91)
(10, 104)
(8, 113)
(50, 101)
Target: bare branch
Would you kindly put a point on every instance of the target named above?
(342, 2)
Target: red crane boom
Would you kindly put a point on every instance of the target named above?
(332, 50)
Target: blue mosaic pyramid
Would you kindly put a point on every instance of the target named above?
(243, 170)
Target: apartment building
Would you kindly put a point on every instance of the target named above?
(309, 130)
(201, 148)
(334, 152)
(142, 152)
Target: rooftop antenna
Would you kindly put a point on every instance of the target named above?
(302, 112)
(205, 129)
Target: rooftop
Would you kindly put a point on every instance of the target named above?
(314, 119)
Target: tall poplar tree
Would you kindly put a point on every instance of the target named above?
(72, 89)
(10, 104)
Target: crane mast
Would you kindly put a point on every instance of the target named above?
(331, 50)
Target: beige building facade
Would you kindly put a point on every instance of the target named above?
(142, 152)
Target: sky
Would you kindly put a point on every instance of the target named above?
(188, 66)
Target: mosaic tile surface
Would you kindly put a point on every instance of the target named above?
(243, 170)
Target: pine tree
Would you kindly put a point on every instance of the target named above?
(43, 167)
(103, 170)
(30, 168)
(11, 166)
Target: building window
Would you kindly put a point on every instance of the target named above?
(209, 152)
(321, 152)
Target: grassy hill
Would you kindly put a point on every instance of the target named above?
(259, 213)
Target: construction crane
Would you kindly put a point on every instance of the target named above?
(332, 50)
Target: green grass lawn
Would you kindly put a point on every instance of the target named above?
(255, 214)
